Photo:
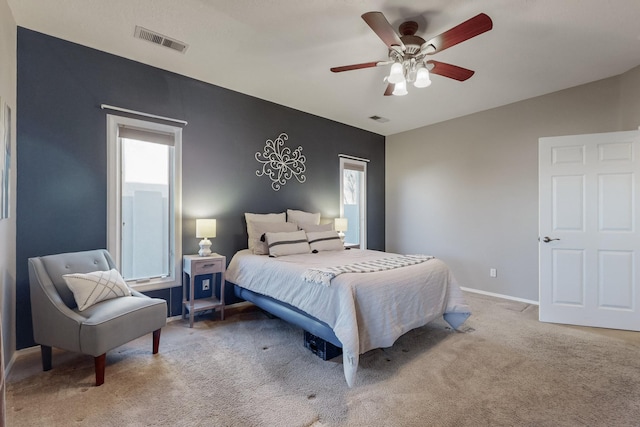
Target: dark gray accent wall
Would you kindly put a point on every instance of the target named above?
(61, 155)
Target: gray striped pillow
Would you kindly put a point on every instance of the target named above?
(258, 229)
(324, 241)
(288, 243)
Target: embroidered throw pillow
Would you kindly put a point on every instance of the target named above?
(325, 241)
(91, 288)
(291, 243)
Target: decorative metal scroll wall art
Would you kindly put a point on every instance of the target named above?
(280, 163)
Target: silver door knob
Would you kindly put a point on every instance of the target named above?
(547, 239)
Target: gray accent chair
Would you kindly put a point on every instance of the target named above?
(57, 322)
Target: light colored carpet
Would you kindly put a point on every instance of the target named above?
(504, 369)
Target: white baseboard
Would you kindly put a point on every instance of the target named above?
(16, 354)
(492, 294)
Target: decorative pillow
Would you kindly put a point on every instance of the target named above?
(270, 217)
(313, 227)
(291, 243)
(257, 230)
(325, 241)
(91, 288)
(252, 217)
(302, 217)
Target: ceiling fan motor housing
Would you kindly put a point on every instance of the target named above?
(413, 54)
(412, 42)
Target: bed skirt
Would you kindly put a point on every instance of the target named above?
(290, 314)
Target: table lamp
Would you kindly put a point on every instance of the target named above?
(340, 224)
(205, 228)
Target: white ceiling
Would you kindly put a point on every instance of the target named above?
(281, 50)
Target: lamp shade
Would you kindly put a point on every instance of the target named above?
(205, 228)
(422, 78)
(400, 89)
(396, 75)
(341, 224)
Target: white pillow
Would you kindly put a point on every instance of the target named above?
(270, 217)
(325, 241)
(252, 217)
(91, 288)
(291, 243)
(302, 217)
(313, 227)
(257, 230)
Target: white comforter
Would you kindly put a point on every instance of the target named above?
(365, 310)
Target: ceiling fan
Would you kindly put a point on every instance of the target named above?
(408, 52)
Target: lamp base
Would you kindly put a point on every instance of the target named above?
(341, 235)
(205, 247)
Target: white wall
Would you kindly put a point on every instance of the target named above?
(8, 81)
(466, 190)
(630, 99)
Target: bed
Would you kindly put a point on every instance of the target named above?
(358, 311)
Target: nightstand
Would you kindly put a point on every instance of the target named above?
(195, 265)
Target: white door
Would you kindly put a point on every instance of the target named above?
(589, 188)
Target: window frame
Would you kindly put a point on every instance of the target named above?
(360, 165)
(114, 199)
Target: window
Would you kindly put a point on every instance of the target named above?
(353, 200)
(144, 200)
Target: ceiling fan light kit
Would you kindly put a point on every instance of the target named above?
(408, 52)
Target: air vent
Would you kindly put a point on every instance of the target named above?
(379, 119)
(153, 37)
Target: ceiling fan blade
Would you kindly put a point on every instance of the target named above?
(383, 29)
(359, 66)
(452, 71)
(470, 28)
(389, 90)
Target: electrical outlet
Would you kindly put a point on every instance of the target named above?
(493, 272)
(205, 285)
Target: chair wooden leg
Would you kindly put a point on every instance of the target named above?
(100, 362)
(46, 352)
(156, 340)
